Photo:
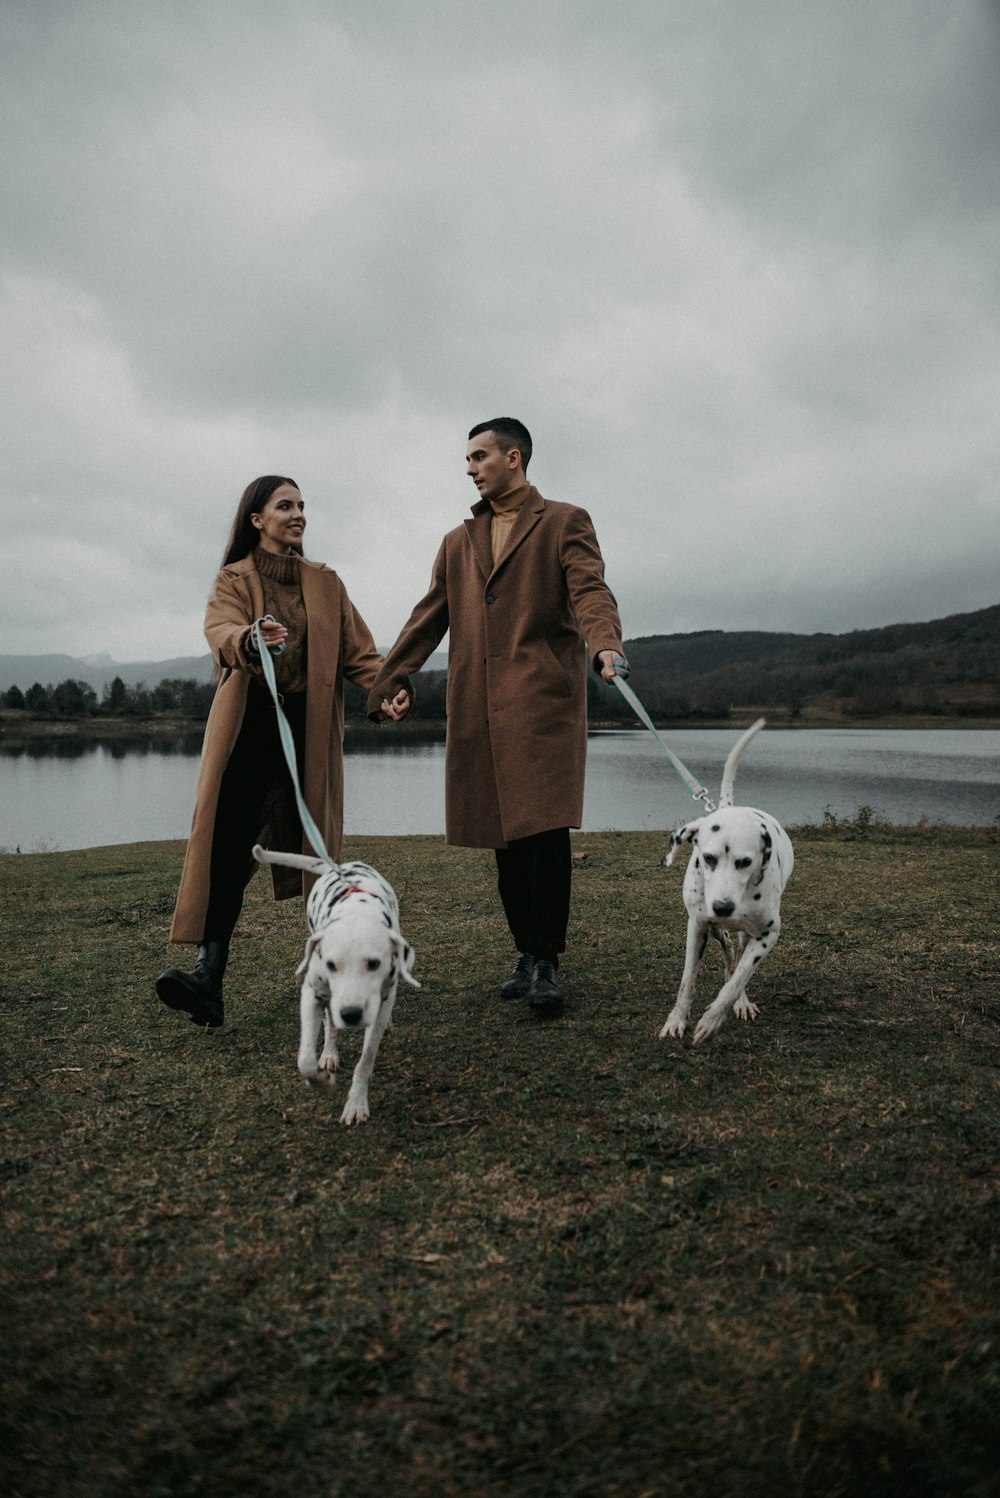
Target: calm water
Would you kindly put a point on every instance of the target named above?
(71, 794)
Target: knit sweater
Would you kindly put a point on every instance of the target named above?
(505, 511)
(279, 578)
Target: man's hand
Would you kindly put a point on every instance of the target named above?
(612, 664)
(398, 708)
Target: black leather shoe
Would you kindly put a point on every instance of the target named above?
(545, 996)
(519, 980)
(198, 993)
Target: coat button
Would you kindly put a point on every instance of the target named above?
(491, 598)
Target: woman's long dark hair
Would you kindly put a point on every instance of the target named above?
(244, 535)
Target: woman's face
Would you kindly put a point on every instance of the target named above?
(281, 521)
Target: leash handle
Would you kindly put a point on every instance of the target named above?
(697, 791)
(271, 649)
(312, 832)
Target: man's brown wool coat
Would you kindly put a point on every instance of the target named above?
(339, 644)
(517, 699)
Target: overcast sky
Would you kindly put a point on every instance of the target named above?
(737, 266)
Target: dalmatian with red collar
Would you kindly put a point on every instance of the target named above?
(354, 958)
(740, 862)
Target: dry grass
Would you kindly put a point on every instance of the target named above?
(562, 1259)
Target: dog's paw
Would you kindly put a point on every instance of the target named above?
(674, 1027)
(355, 1111)
(709, 1024)
(329, 1061)
(743, 1009)
(325, 1081)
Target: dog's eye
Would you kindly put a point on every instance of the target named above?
(743, 863)
(710, 860)
(331, 965)
(373, 964)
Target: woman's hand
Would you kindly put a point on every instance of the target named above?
(398, 707)
(273, 633)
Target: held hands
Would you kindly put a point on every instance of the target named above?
(612, 664)
(398, 708)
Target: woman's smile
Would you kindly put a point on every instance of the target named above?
(282, 521)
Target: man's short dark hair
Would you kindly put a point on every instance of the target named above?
(509, 433)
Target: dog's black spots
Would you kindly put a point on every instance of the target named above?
(385, 918)
(756, 897)
(697, 863)
(757, 959)
(767, 838)
(331, 965)
(715, 827)
(727, 847)
(770, 923)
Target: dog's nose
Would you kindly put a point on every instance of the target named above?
(352, 1014)
(723, 908)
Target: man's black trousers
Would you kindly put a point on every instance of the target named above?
(533, 876)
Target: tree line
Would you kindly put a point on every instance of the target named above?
(943, 667)
(72, 699)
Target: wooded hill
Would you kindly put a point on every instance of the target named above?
(947, 667)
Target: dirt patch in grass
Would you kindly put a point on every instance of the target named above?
(562, 1258)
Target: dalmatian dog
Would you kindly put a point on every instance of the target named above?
(740, 862)
(354, 959)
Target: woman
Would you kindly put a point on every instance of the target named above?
(244, 793)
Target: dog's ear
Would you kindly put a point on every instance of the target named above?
(312, 942)
(686, 833)
(765, 852)
(406, 955)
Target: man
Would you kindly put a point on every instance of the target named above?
(521, 587)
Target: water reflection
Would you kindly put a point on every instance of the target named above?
(68, 792)
(71, 746)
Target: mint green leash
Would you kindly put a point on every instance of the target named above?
(698, 791)
(312, 832)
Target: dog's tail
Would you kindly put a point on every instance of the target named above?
(735, 755)
(293, 860)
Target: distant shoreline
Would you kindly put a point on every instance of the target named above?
(17, 725)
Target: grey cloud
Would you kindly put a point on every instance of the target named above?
(732, 263)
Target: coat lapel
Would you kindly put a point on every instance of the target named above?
(324, 645)
(480, 525)
(251, 579)
(478, 531)
(531, 513)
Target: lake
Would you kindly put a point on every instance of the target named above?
(76, 793)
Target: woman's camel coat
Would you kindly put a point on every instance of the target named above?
(338, 644)
(517, 689)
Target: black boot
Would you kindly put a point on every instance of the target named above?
(545, 996)
(198, 993)
(518, 982)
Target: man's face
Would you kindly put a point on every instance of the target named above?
(493, 472)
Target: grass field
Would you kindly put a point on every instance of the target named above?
(563, 1258)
